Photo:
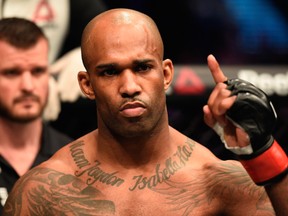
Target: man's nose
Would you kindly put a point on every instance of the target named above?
(27, 81)
(130, 85)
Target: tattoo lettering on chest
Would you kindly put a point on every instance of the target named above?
(77, 154)
(96, 174)
(171, 166)
(94, 171)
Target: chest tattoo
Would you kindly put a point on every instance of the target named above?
(162, 173)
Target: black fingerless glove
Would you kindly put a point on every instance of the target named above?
(254, 113)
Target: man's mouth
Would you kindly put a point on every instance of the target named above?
(132, 109)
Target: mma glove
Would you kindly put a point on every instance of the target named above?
(264, 159)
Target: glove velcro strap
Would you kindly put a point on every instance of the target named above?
(267, 167)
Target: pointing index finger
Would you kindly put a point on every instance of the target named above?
(215, 69)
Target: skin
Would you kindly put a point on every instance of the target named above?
(23, 82)
(23, 95)
(135, 163)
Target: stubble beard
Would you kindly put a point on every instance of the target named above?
(21, 118)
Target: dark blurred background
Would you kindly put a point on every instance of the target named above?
(236, 31)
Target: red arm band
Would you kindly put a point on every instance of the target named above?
(270, 164)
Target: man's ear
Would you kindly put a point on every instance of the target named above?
(168, 70)
(85, 84)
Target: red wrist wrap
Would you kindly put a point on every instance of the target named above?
(268, 165)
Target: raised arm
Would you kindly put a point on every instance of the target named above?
(242, 115)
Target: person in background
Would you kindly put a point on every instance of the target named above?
(135, 163)
(62, 22)
(26, 140)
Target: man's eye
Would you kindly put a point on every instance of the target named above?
(143, 68)
(38, 71)
(110, 72)
(11, 72)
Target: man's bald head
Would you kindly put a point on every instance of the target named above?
(105, 25)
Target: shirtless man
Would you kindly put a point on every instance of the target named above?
(135, 163)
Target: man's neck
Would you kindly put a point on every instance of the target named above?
(20, 143)
(139, 153)
(17, 135)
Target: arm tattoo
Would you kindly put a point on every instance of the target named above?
(235, 180)
(217, 181)
(48, 192)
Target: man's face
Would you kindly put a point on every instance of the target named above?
(128, 80)
(23, 81)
